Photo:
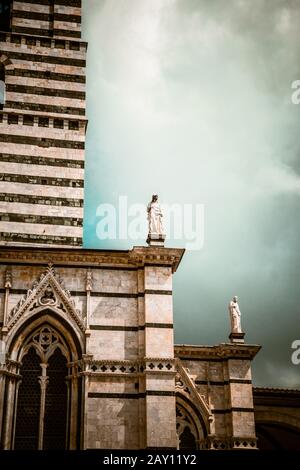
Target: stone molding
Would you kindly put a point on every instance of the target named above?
(186, 384)
(222, 351)
(138, 257)
(230, 443)
(105, 367)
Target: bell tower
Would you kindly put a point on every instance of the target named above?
(42, 123)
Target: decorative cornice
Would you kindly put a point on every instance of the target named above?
(219, 352)
(126, 367)
(138, 257)
(151, 255)
(228, 443)
(274, 391)
(276, 397)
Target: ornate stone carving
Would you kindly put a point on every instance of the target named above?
(89, 280)
(227, 443)
(128, 367)
(223, 350)
(137, 257)
(8, 279)
(48, 297)
(189, 383)
(184, 422)
(45, 340)
(48, 291)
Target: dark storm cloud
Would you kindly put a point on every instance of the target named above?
(192, 99)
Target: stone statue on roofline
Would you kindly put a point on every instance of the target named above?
(156, 236)
(236, 335)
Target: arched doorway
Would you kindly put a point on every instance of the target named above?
(43, 400)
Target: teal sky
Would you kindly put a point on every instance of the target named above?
(191, 99)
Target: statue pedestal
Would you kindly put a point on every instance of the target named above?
(237, 337)
(156, 239)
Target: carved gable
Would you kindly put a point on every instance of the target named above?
(47, 292)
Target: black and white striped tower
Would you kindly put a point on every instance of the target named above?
(42, 122)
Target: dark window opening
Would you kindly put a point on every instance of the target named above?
(13, 119)
(58, 123)
(30, 42)
(187, 439)
(74, 46)
(60, 44)
(43, 122)
(5, 14)
(45, 42)
(15, 39)
(28, 120)
(73, 125)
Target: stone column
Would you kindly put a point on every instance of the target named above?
(88, 288)
(73, 410)
(160, 412)
(7, 440)
(43, 380)
(85, 388)
(2, 391)
(15, 412)
(8, 285)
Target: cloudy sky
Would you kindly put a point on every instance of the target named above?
(191, 99)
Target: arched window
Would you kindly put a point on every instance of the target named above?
(2, 86)
(41, 419)
(189, 429)
(5, 14)
(28, 403)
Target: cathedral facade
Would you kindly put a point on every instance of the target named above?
(87, 354)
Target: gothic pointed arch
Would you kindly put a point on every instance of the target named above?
(47, 408)
(189, 422)
(47, 294)
(66, 338)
